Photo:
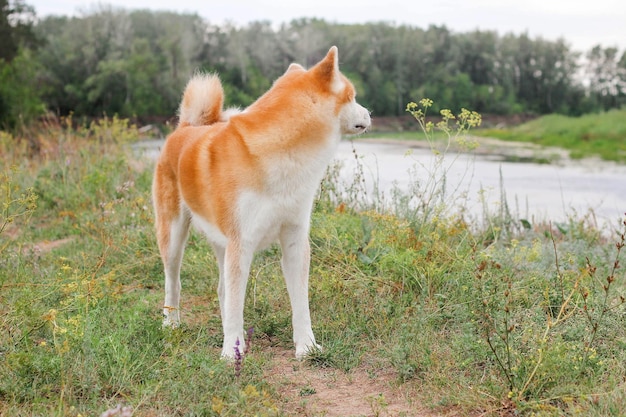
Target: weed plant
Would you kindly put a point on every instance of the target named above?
(529, 323)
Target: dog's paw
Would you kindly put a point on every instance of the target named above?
(304, 350)
(170, 324)
(226, 356)
(171, 317)
(234, 347)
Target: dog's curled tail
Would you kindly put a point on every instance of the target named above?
(202, 101)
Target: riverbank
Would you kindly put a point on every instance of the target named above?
(600, 134)
(488, 148)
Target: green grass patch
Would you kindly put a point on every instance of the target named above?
(601, 134)
(477, 319)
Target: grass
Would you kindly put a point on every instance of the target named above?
(602, 134)
(592, 135)
(471, 318)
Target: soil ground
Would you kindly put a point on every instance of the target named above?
(311, 391)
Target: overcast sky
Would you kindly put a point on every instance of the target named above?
(582, 23)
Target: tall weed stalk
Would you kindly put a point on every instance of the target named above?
(538, 345)
(430, 195)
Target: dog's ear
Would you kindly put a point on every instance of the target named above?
(295, 67)
(327, 70)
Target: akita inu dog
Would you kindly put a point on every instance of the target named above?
(247, 179)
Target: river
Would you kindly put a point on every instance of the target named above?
(537, 192)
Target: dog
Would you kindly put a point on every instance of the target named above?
(247, 179)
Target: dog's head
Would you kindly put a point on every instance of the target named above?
(353, 117)
(324, 82)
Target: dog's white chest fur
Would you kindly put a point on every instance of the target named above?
(286, 199)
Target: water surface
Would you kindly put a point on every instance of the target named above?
(533, 191)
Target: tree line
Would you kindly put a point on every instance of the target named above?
(134, 63)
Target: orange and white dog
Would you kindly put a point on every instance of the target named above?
(247, 179)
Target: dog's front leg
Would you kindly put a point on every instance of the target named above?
(294, 241)
(237, 260)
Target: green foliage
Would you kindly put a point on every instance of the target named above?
(135, 62)
(15, 203)
(116, 62)
(16, 28)
(20, 98)
(540, 330)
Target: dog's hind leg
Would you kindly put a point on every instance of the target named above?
(294, 241)
(219, 255)
(178, 232)
(172, 227)
(232, 290)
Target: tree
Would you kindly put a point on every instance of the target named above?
(607, 76)
(16, 28)
(115, 62)
(20, 102)
(19, 94)
(135, 63)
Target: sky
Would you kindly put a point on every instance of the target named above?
(582, 23)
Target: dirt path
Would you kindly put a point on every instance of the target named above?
(311, 391)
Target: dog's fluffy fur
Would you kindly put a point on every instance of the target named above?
(247, 179)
